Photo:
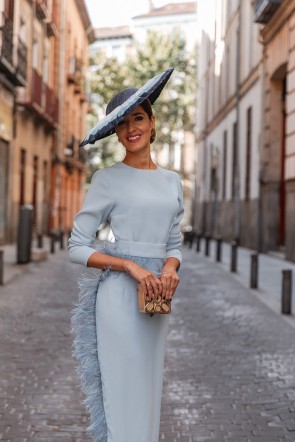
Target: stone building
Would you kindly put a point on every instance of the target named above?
(43, 113)
(246, 125)
(13, 73)
(229, 122)
(277, 20)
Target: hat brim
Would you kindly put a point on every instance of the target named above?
(106, 126)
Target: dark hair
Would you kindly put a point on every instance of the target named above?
(122, 96)
(147, 107)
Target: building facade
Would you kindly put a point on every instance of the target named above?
(39, 140)
(277, 21)
(229, 122)
(13, 74)
(246, 125)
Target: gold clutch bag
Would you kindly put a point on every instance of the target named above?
(152, 306)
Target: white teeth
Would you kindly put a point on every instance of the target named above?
(133, 138)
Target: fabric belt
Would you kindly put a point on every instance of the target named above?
(143, 249)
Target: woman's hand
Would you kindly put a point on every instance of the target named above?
(151, 285)
(169, 278)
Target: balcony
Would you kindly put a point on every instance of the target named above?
(41, 9)
(265, 9)
(52, 21)
(14, 70)
(6, 42)
(40, 101)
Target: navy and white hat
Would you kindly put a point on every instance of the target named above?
(124, 103)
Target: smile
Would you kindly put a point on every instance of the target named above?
(134, 138)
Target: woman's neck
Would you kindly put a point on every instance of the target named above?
(139, 162)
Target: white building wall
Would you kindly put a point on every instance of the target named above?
(253, 99)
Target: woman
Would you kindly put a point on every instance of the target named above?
(121, 351)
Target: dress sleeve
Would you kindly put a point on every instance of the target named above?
(95, 209)
(173, 248)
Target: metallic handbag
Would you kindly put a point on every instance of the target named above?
(150, 306)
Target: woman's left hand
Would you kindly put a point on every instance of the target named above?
(170, 280)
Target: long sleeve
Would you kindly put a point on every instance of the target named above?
(173, 248)
(95, 209)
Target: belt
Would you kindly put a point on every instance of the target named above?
(143, 249)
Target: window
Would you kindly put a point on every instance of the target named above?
(248, 153)
(234, 162)
(224, 165)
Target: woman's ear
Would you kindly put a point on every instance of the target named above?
(153, 121)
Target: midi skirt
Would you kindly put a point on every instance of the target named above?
(120, 351)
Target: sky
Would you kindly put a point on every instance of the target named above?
(104, 13)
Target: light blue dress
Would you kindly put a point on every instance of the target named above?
(121, 351)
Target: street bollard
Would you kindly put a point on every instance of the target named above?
(286, 292)
(52, 243)
(24, 235)
(40, 241)
(191, 238)
(218, 249)
(207, 245)
(198, 242)
(1, 267)
(234, 256)
(61, 240)
(254, 271)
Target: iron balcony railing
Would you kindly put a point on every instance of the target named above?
(6, 42)
(265, 9)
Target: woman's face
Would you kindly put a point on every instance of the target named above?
(134, 131)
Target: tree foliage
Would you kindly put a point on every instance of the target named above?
(174, 109)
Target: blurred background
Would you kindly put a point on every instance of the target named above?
(225, 121)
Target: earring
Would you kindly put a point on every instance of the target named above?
(153, 135)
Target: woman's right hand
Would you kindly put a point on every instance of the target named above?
(151, 285)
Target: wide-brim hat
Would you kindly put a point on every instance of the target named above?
(150, 90)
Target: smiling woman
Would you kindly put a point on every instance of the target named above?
(121, 351)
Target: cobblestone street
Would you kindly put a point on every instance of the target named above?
(229, 372)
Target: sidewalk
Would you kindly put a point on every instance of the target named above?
(12, 269)
(269, 274)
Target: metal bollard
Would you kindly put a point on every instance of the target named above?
(61, 240)
(254, 271)
(1, 267)
(198, 242)
(286, 292)
(191, 238)
(234, 256)
(40, 241)
(207, 245)
(218, 249)
(24, 235)
(52, 243)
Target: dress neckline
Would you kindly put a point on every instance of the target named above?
(137, 168)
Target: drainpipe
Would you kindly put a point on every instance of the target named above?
(237, 202)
